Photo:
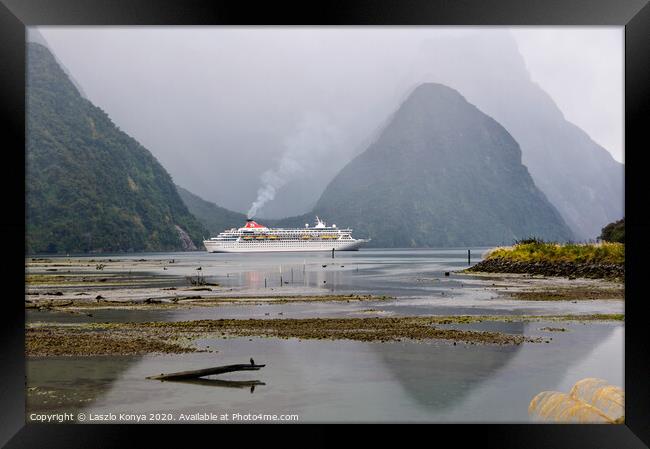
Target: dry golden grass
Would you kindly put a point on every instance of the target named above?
(590, 401)
(537, 251)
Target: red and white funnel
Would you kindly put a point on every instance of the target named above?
(250, 224)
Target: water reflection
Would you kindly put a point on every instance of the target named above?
(439, 376)
(72, 384)
(344, 381)
(208, 382)
(495, 384)
(347, 381)
(380, 271)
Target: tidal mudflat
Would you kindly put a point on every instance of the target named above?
(399, 335)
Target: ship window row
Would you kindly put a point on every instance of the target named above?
(283, 237)
(292, 231)
(293, 234)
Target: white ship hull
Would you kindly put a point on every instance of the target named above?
(267, 247)
(256, 238)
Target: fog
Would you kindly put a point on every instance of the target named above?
(259, 120)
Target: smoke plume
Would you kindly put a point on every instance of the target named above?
(313, 139)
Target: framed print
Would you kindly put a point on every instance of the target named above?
(357, 213)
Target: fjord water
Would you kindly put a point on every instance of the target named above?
(349, 381)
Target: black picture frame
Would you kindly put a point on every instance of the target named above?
(634, 15)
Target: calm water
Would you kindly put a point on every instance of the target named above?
(346, 381)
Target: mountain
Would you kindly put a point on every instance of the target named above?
(35, 36)
(214, 218)
(90, 186)
(441, 174)
(578, 176)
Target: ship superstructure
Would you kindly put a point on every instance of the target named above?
(254, 237)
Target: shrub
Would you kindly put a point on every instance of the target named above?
(614, 232)
(535, 250)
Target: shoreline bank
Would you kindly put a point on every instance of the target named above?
(604, 260)
(570, 270)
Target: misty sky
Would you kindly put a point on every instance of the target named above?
(230, 110)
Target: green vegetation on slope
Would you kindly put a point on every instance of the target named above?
(90, 186)
(614, 232)
(214, 218)
(539, 251)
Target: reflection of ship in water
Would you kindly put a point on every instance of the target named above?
(254, 279)
(440, 377)
(291, 275)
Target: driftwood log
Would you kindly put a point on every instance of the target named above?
(198, 373)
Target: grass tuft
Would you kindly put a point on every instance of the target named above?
(536, 250)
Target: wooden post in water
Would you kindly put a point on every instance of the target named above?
(332, 253)
(469, 255)
(264, 282)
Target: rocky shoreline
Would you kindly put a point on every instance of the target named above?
(564, 269)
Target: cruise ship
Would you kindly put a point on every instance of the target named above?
(254, 237)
